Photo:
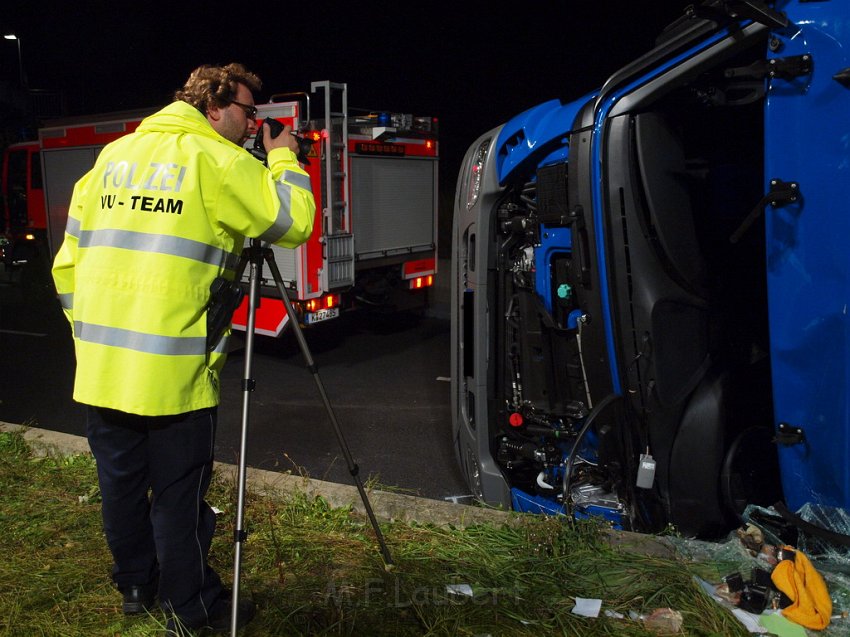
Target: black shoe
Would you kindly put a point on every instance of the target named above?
(219, 619)
(139, 599)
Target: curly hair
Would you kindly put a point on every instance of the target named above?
(210, 85)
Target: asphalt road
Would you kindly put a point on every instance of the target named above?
(386, 379)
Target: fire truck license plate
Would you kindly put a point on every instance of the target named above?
(321, 315)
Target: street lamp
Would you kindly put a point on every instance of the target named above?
(12, 36)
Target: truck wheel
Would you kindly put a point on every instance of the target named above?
(750, 473)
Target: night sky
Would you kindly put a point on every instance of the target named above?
(471, 64)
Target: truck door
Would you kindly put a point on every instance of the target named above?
(22, 188)
(808, 263)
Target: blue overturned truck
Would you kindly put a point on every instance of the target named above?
(650, 283)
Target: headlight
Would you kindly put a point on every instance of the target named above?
(476, 173)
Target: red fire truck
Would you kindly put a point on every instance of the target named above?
(22, 216)
(374, 177)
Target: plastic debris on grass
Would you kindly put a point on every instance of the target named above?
(747, 574)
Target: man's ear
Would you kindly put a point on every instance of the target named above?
(214, 113)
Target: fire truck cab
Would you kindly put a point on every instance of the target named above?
(22, 217)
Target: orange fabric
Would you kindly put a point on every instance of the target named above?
(805, 587)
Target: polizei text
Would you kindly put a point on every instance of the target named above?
(156, 176)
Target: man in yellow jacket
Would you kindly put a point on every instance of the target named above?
(163, 213)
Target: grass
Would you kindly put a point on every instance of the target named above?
(317, 570)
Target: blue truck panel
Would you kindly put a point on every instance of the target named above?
(808, 265)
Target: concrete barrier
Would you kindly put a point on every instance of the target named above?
(387, 506)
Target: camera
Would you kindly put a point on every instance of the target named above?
(276, 128)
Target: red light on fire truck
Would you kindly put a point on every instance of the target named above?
(322, 303)
(320, 309)
(422, 282)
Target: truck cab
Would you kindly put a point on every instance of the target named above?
(647, 282)
(24, 221)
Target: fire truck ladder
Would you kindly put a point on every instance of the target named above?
(338, 257)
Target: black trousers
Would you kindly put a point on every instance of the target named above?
(166, 534)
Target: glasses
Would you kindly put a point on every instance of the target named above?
(250, 111)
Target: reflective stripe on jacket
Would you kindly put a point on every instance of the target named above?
(164, 211)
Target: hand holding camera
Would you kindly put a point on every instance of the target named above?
(276, 135)
(279, 138)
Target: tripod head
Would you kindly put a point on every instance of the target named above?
(276, 128)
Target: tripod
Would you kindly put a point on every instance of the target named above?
(253, 257)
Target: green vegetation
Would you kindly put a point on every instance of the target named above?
(316, 570)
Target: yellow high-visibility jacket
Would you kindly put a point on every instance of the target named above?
(164, 211)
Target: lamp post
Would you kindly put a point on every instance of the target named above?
(12, 36)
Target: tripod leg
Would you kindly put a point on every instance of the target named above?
(353, 469)
(248, 383)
